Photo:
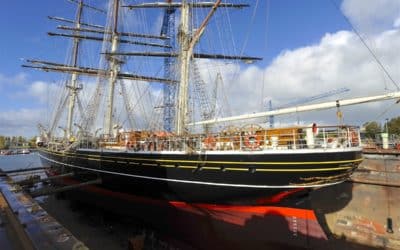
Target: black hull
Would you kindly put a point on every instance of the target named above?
(251, 179)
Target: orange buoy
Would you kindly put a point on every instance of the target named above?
(210, 143)
(252, 141)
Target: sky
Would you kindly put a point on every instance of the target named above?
(308, 47)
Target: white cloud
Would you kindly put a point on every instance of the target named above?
(16, 80)
(338, 60)
(38, 89)
(20, 122)
(396, 23)
(371, 16)
(44, 92)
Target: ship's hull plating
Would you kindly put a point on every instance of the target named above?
(213, 177)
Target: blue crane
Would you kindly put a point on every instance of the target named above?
(305, 100)
(169, 90)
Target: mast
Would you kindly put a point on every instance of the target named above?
(187, 44)
(187, 41)
(73, 87)
(114, 70)
(78, 31)
(184, 41)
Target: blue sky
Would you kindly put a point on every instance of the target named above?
(292, 27)
(24, 25)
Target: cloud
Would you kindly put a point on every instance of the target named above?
(20, 122)
(371, 16)
(44, 92)
(396, 23)
(338, 60)
(26, 103)
(9, 81)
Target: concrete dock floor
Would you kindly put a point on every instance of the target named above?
(371, 215)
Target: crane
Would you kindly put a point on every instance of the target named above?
(169, 90)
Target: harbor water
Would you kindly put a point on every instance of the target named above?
(11, 162)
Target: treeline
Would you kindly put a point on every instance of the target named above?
(391, 126)
(7, 142)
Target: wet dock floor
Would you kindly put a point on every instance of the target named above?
(100, 229)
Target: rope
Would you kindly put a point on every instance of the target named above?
(385, 111)
(368, 48)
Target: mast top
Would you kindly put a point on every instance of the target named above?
(88, 6)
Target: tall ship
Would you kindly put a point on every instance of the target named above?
(181, 148)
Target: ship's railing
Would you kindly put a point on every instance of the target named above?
(252, 140)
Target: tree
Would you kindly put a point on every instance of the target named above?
(394, 126)
(371, 129)
(32, 142)
(7, 142)
(2, 142)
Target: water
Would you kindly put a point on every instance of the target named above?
(11, 162)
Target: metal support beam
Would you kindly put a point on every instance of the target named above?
(96, 72)
(195, 55)
(21, 170)
(47, 191)
(60, 19)
(179, 5)
(89, 6)
(101, 39)
(27, 182)
(62, 27)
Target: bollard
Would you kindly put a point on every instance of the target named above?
(389, 226)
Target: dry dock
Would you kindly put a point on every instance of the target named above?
(362, 213)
